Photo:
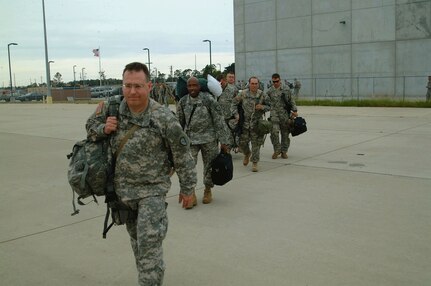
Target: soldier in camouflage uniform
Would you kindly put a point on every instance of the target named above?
(296, 88)
(428, 96)
(159, 93)
(164, 94)
(254, 103)
(225, 101)
(142, 168)
(202, 119)
(283, 108)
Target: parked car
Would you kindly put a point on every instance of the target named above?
(30, 97)
(117, 91)
(100, 91)
(5, 97)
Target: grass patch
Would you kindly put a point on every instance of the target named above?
(364, 103)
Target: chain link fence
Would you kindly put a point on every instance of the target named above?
(404, 88)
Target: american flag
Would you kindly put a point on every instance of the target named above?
(96, 52)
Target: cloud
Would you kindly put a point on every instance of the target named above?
(172, 30)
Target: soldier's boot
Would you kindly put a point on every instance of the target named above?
(254, 168)
(275, 155)
(284, 155)
(193, 203)
(207, 196)
(246, 159)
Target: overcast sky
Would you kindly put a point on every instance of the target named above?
(173, 31)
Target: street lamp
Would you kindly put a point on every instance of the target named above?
(74, 79)
(82, 75)
(10, 71)
(48, 76)
(149, 63)
(211, 63)
(49, 66)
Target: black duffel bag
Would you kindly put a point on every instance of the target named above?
(222, 169)
(299, 126)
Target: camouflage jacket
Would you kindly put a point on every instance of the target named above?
(142, 168)
(278, 105)
(206, 124)
(225, 100)
(249, 101)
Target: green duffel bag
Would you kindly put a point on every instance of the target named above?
(263, 127)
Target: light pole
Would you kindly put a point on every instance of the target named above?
(10, 71)
(82, 74)
(149, 63)
(74, 79)
(49, 66)
(211, 63)
(48, 76)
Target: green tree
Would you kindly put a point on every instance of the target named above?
(230, 68)
(57, 79)
(210, 70)
(187, 73)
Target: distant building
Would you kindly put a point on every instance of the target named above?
(345, 48)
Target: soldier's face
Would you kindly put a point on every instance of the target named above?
(276, 82)
(254, 85)
(136, 89)
(230, 78)
(193, 87)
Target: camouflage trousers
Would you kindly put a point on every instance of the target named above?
(283, 129)
(249, 136)
(428, 95)
(209, 151)
(146, 237)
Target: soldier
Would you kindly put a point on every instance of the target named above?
(283, 108)
(254, 103)
(230, 78)
(296, 88)
(202, 120)
(164, 94)
(225, 102)
(154, 93)
(142, 168)
(429, 89)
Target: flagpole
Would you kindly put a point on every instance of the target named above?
(100, 69)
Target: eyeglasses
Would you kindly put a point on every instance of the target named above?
(275, 81)
(134, 85)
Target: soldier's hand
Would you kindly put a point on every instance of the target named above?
(110, 125)
(294, 114)
(258, 107)
(186, 200)
(224, 148)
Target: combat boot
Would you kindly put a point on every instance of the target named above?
(284, 155)
(193, 203)
(254, 168)
(246, 159)
(275, 155)
(207, 196)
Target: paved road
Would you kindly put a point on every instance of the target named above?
(351, 206)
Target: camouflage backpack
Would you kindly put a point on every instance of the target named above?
(90, 164)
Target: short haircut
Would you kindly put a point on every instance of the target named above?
(136, 66)
(275, 75)
(220, 77)
(252, 78)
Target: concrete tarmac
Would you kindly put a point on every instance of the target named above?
(350, 206)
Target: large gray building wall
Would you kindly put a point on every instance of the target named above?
(339, 48)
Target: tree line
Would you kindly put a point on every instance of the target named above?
(57, 80)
